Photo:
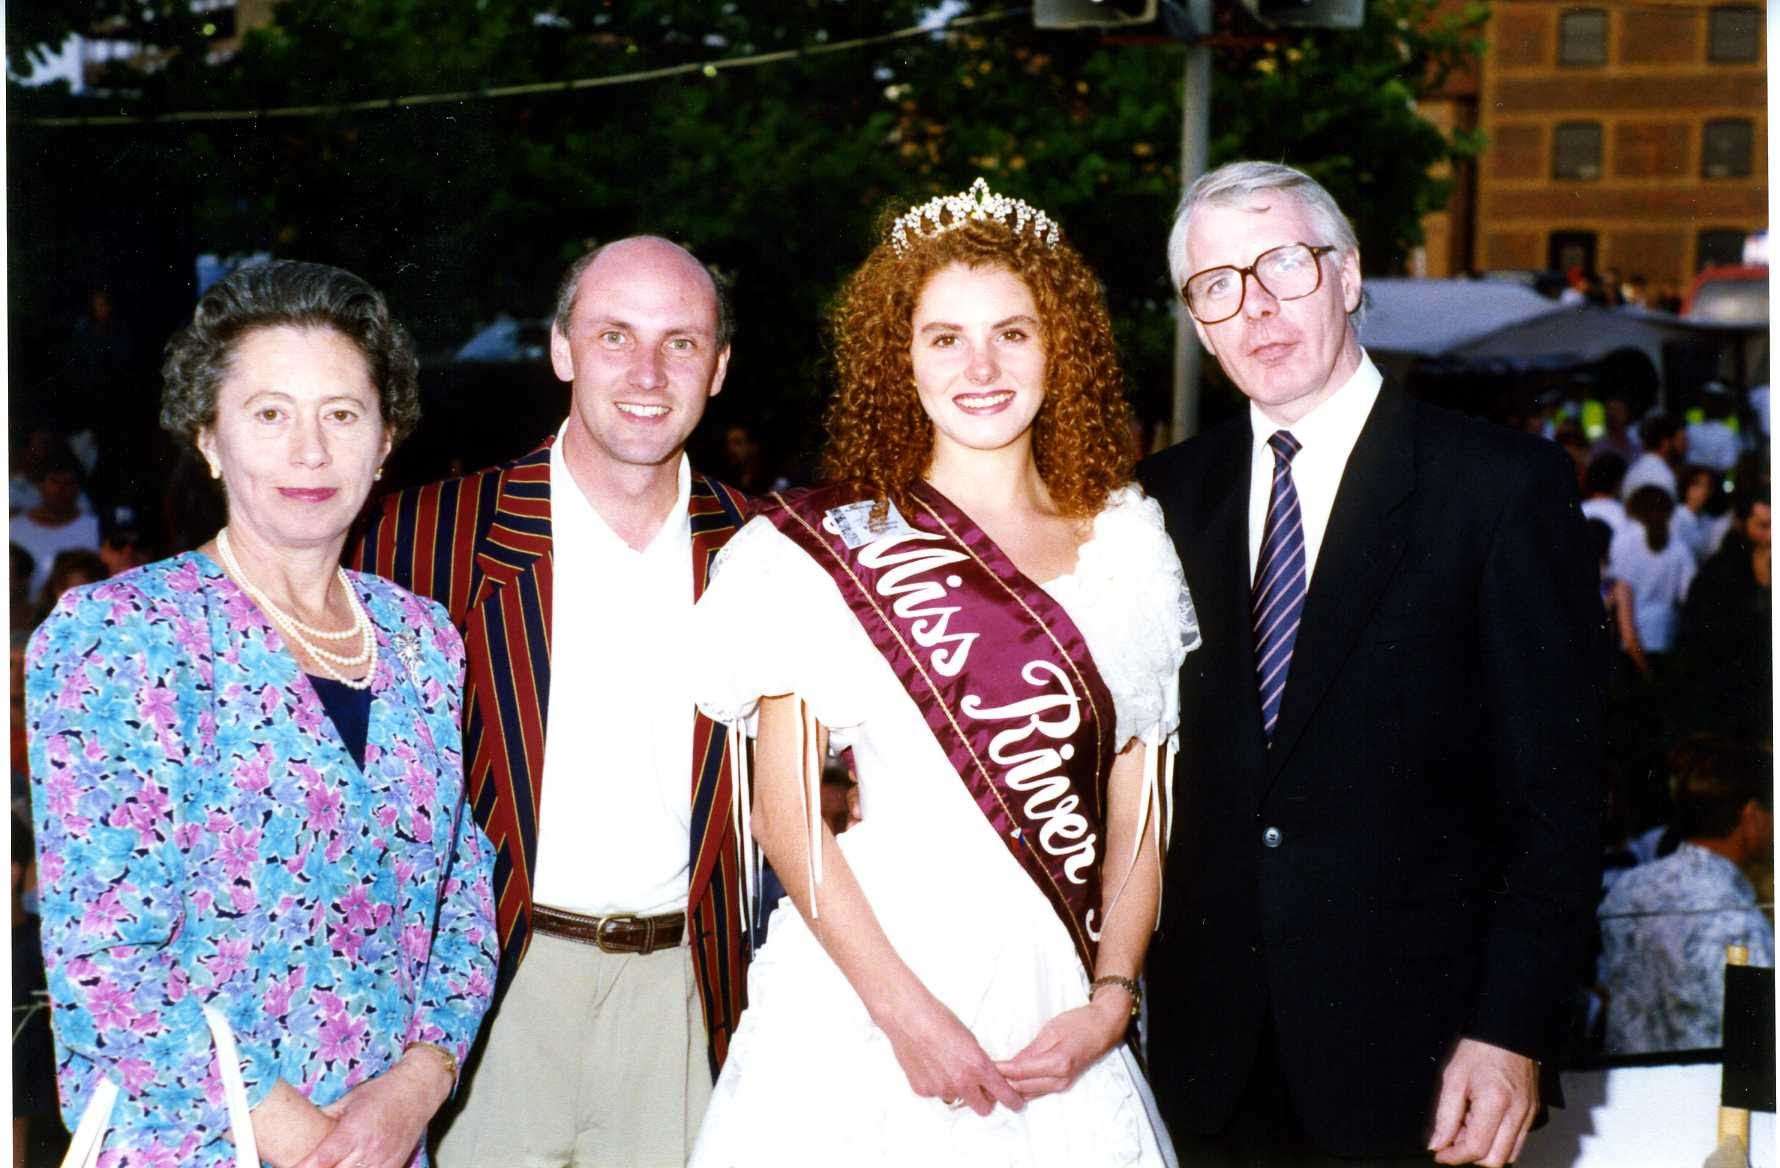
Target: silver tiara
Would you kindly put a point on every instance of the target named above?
(945, 213)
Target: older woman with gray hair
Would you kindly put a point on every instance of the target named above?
(247, 781)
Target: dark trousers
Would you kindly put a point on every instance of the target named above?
(1265, 1130)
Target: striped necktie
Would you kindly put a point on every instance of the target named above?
(1277, 599)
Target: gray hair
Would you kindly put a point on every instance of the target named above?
(286, 293)
(1242, 183)
(570, 285)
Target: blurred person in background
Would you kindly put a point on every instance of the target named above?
(1611, 294)
(1567, 433)
(55, 523)
(1700, 522)
(1651, 575)
(1657, 570)
(745, 463)
(245, 772)
(1723, 649)
(34, 1119)
(24, 566)
(1600, 490)
(1712, 442)
(1665, 444)
(1665, 924)
(1617, 437)
(28, 458)
(71, 569)
(123, 543)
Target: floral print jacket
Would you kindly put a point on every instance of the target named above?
(204, 837)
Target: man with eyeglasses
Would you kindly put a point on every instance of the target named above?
(1380, 877)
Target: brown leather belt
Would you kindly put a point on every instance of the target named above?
(618, 933)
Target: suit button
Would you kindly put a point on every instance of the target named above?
(1271, 837)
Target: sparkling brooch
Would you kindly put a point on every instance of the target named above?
(408, 649)
(945, 213)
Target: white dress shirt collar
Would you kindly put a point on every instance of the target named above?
(570, 505)
(1327, 435)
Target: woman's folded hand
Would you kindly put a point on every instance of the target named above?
(944, 1061)
(1066, 1046)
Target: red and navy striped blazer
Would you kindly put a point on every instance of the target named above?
(480, 545)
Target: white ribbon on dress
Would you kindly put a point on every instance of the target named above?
(809, 753)
(1155, 803)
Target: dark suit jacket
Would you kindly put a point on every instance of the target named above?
(480, 545)
(1432, 779)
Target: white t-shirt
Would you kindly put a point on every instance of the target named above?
(43, 542)
(1712, 444)
(1608, 511)
(1699, 534)
(1649, 470)
(1659, 583)
(615, 810)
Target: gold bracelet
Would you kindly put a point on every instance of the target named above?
(1129, 985)
(450, 1059)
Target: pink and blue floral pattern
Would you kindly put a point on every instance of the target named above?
(205, 838)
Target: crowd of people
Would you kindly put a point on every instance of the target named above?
(391, 822)
(1607, 289)
(1680, 519)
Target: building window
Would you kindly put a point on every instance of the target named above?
(1735, 35)
(1576, 151)
(1582, 37)
(1720, 245)
(1726, 148)
(1571, 250)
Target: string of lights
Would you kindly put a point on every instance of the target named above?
(708, 68)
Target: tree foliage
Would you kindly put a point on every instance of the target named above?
(468, 208)
(1343, 107)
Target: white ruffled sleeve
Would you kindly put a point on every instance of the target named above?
(770, 623)
(1137, 614)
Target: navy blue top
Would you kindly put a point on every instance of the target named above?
(350, 710)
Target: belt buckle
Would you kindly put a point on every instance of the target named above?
(620, 919)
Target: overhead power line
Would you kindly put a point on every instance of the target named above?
(536, 88)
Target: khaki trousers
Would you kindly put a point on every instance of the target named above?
(592, 1058)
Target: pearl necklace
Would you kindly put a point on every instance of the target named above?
(335, 665)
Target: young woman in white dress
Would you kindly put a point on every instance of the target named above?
(989, 615)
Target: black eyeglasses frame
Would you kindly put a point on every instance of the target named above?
(1317, 252)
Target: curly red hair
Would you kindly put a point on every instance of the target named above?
(880, 439)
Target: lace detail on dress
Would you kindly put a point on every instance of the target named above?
(1129, 598)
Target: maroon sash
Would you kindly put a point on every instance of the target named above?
(996, 666)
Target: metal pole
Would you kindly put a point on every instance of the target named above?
(1195, 136)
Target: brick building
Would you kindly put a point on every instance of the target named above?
(1624, 134)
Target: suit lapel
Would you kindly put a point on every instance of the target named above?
(1221, 587)
(519, 533)
(1360, 551)
(507, 634)
(1207, 508)
(715, 912)
(715, 513)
